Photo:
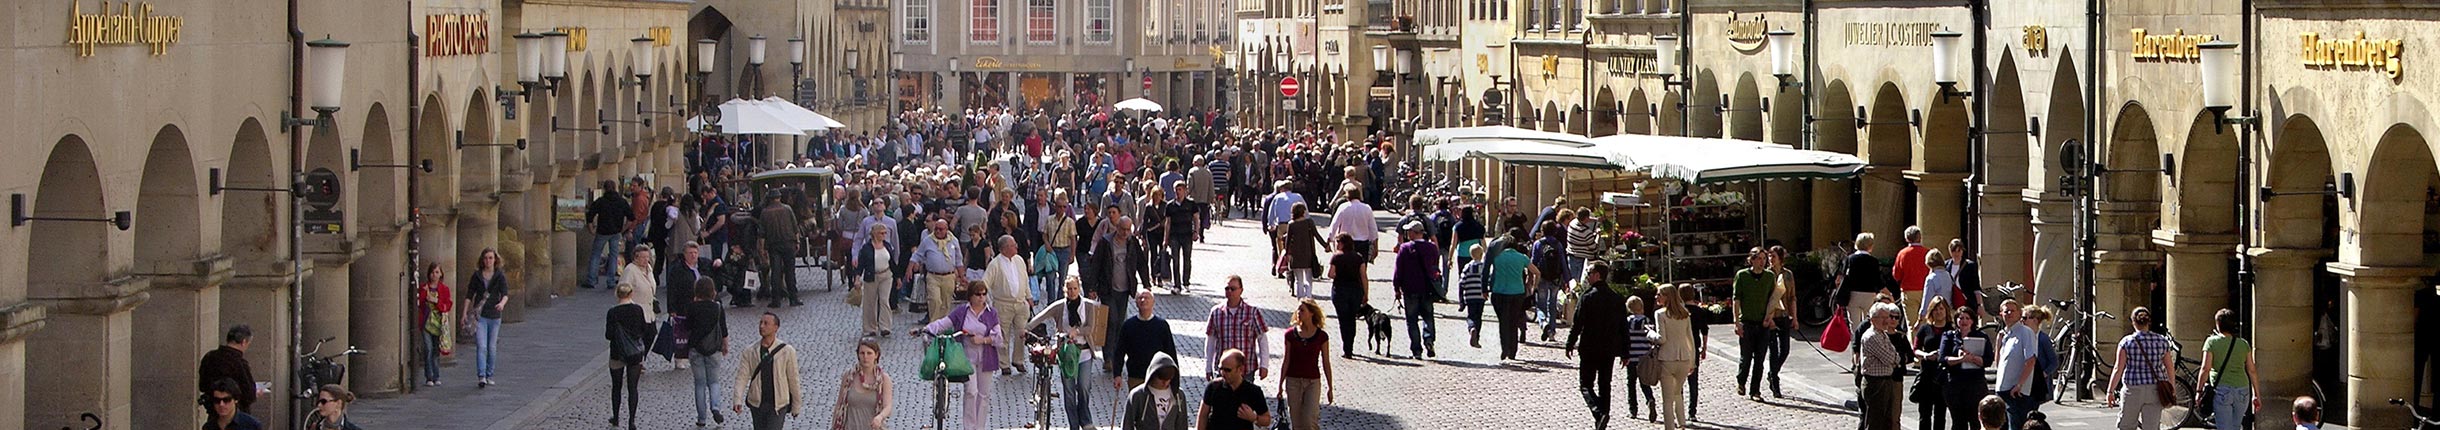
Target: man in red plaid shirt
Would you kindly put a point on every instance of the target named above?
(1236, 325)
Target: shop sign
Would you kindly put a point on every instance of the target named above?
(128, 24)
(994, 63)
(1890, 33)
(2357, 53)
(2177, 45)
(1482, 63)
(2037, 40)
(576, 38)
(456, 34)
(1746, 35)
(1180, 63)
(1550, 65)
(659, 35)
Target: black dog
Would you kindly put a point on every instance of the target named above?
(1377, 328)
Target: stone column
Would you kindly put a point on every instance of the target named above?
(1884, 196)
(258, 298)
(86, 359)
(478, 228)
(566, 254)
(378, 311)
(172, 330)
(1067, 90)
(514, 215)
(2198, 267)
(1939, 205)
(1833, 214)
(21, 322)
(2000, 237)
(2117, 278)
(2283, 324)
(2380, 338)
(952, 83)
(539, 274)
(2054, 247)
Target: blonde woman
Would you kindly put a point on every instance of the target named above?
(1306, 365)
(1677, 353)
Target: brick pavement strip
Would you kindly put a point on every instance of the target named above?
(1462, 388)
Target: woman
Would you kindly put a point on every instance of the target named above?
(1938, 281)
(1965, 350)
(1158, 404)
(1347, 290)
(1882, 348)
(864, 392)
(1931, 411)
(2233, 394)
(1550, 257)
(487, 294)
(626, 324)
(871, 265)
(330, 409)
(1677, 354)
(1302, 258)
(1783, 299)
(1510, 272)
(2143, 358)
(981, 324)
(434, 296)
(686, 225)
(637, 274)
(707, 331)
(1070, 315)
(1152, 222)
(1307, 364)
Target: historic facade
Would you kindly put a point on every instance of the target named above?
(1058, 54)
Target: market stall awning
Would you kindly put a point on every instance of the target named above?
(1138, 103)
(799, 115)
(740, 116)
(1711, 161)
(794, 173)
(1512, 145)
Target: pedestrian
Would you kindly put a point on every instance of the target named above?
(707, 331)
(1859, 281)
(771, 386)
(1158, 403)
(2024, 381)
(1006, 276)
(938, 258)
(330, 408)
(1911, 269)
(220, 408)
(1638, 329)
(433, 296)
(1678, 352)
(1059, 235)
(870, 265)
(1550, 260)
(1966, 350)
(688, 268)
(1278, 212)
(229, 362)
(1993, 414)
(1968, 276)
(1125, 267)
(1348, 292)
(1069, 316)
(1235, 325)
(1473, 292)
(1782, 322)
(2306, 413)
(630, 337)
(1232, 402)
(864, 392)
(1882, 348)
(2143, 363)
(1750, 301)
(637, 275)
(1185, 217)
(486, 297)
(2232, 396)
(1603, 313)
(1411, 282)
(608, 215)
(1937, 282)
(981, 324)
(1307, 365)
(1355, 219)
(779, 226)
(1511, 271)
(1931, 406)
(1583, 236)
(1296, 237)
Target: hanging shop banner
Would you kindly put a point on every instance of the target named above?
(456, 34)
(2357, 53)
(127, 24)
(2176, 45)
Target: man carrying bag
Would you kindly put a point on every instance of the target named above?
(769, 386)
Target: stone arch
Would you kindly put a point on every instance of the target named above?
(2299, 162)
(73, 262)
(250, 221)
(1788, 116)
(2389, 215)
(380, 192)
(1943, 147)
(1745, 109)
(1672, 120)
(1889, 201)
(433, 141)
(1703, 107)
(2004, 146)
(376, 313)
(166, 208)
(2062, 122)
(2132, 159)
(1549, 117)
(2206, 180)
(169, 329)
(1637, 116)
(478, 170)
(591, 144)
(1605, 113)
(1576, 121)
(1836, 204)
(1890, 139)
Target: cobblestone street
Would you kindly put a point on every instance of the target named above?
(1462, 388)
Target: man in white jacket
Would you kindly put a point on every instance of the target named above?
(1005, 277)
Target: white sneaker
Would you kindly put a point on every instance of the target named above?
(681, 364)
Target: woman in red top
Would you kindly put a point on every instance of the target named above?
(433, 295)
(1308, 364)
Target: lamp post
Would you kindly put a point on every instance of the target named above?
(326, 63)
(642, 62)
(2222, 82)
(1665, 58)
(529, 64)
(1380, 55)
(1944, 52)
(1783, 56)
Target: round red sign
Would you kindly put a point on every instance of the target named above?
(1288, 86)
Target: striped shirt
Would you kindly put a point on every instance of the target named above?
(1220, 173)
(1470, 281)
(1581, 238)
(2143, 350)
(1639, 342)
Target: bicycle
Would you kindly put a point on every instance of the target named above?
(2083, 358)
(2421, 422)
(1043, 352)
(317, 369)
(940, 383)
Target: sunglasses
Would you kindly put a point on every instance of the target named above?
(219, 400)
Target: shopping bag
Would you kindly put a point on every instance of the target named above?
(1836, 336)
(665, 344)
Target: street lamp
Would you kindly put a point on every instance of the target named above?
(1944, 53)
(1664, 58)
(642, 62)
(1783, 56)
(1406, 63)
(554, 58)
(1380, 56)
(529, 64)
(852, 62)
(754, 50)
(2221, 80)
(326, 63)
(796, 58)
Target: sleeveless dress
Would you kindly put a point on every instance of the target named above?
(857, 403)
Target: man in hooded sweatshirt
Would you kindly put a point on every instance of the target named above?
(1158, 404)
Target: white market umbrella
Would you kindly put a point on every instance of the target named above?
(738, 116)
(695, 124)
(1138, 103)
(800, 115)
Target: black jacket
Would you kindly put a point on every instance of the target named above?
(678, 282)
(483, 293)
(227, 363)
(707, 326)
(1864, 275)
(609, 213)
(1137, 341)
(627, 317)
(1137, 265)
(1601, 324)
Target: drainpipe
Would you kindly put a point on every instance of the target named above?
(296, 239)
(414, 214)
(1977, 143)
(1804, 105)
(2095, 15)
(2247, 137)
(1685, 33)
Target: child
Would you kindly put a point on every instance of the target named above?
(1472, 293)
(1639, 345)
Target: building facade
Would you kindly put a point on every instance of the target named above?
(1060, 54)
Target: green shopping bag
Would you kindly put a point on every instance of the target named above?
(1069, 358)
(946, 358)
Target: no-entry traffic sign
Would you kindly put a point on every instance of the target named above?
(1288, 86)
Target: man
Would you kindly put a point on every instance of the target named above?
(679, 279)
(779, 235)
(1126, 268)
(608, 214)
(972, 215)
(1276, 213)
(1005, 278)
(660, 215)
(1602, 326)
(1236, 326)
(1910, 270)
(1185, 218)
(1139, 339)
(1222, 181)
(1548, 214)
(1200, 185)
(769, 384)
(2307, 413)
(937, 258)
(1230, 403)
(1418, 266)
(229, 362)
(220, 407)
(1752, 301)
(1173, 179)
(1994, 414)
(2018, 344)
(1059, 233)
(1355, 219)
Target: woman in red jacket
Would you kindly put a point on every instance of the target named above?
(433, 296)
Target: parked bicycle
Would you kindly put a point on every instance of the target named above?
(2083, 358)
(2421, 422)
(315, 369)
(1043, 352)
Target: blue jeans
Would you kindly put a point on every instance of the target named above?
(707, 385)
(1419, 322)
(2228, 410)
(1546, 301)
(432, 355)
(2020, 407)
(486, 345)
(1575, 268)
(603, 270)
(1079, 399)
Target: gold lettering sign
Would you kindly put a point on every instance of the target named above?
(2357, 53)
(1746, 35)
(1180, 63)
(576, 38)
(1482, 63)
(994, 63)
(1550, 65)
(1890, 33)
(659, 35)
(129, 24)
(2037, 40)
(2174, 46)
(455, 34)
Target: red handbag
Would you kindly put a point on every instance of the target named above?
(1836, 336)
